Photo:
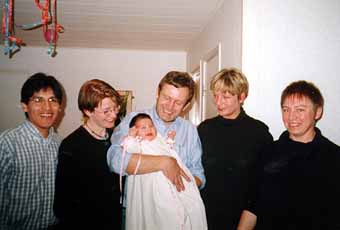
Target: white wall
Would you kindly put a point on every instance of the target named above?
(225, 27)
(275, 43)
(284, 41)
(139, 71)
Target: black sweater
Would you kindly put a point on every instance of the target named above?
(87, 193)
(230, 148)
(298, 185)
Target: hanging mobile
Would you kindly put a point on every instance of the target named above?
(48, 17)
(12, 44)
(48, 22)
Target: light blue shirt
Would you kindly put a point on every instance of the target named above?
(28, 164)
(187, 143)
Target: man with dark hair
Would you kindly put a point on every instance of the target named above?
(175, 92)
(298, 178)
(28, 158)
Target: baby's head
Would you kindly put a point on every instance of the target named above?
(144, 126)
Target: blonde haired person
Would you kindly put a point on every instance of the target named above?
(231, 142)
(87, 193)
(230, 80)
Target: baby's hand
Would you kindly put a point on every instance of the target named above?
(133, 131)
(172, 134)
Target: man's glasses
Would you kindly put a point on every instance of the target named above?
(40, 101)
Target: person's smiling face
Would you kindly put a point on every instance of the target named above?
(42, 110)
(299, 116)
(171, 101)
(104, 115)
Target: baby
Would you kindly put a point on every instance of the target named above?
(152, 200)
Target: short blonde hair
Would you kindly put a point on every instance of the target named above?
(230, 80)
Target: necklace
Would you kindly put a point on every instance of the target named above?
(100, 137)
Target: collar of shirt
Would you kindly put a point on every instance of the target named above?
(163, 128)
(35, 132)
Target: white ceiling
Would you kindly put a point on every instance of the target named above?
(125, 24)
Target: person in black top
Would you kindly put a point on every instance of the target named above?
(231, 143)
(87, 193)
(298, 178)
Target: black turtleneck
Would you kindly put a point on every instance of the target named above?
(299, 185)
(230, 147)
